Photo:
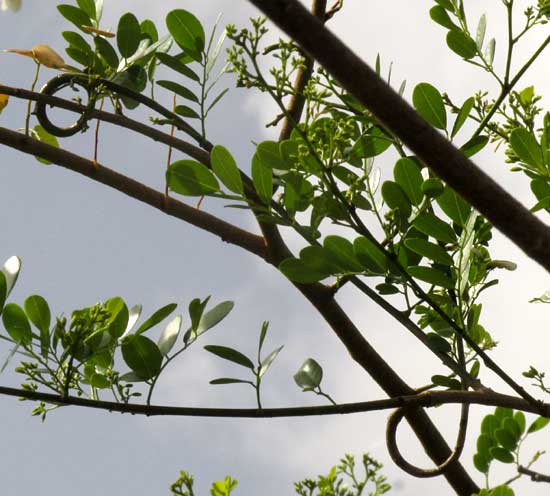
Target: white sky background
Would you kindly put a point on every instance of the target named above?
(81, 242)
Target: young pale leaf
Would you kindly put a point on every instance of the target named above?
(225, 167)
(431, 276)
(187, 31)
(191, 178)
(538, 424)
(266, 363)
(457, 209)
(142, 356)
(133, 316)
(461, 44)
(262, 177)
(177, 65)
(11, 269)
(38, 311)
(128, 35)
(263, 334)
(480, 32)
(429, 104)
(526, 147)
(157, 317)
(17, 324)
(446, 4)
(490, 51)
(214, 316)
(178, 89)
(429, 250)
(309, 375)
(231, 355)
(407, 174)
(168, 337)
(465, 249)
(462, 115)
(75, 15)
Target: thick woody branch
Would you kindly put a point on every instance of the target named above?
(203, 220)
(428, 399)
(502, 209)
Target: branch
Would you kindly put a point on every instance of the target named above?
(502, 209)
(535, 476)
(427, 399)
(227, 232)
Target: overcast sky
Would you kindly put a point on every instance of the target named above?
(81, 243)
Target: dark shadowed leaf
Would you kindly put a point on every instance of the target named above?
(128, 34)
(142, 356)
(225, 167)
(431, 276)
(178, 89)
(187, 31)
(462, 115)
(75, 15)
(231, 355)
(17, 324)
(263, 179)
(461, 44)
(157, 317)
(177, 65)
(454, 206)
(429, 250)
(428, 102)
(191, 178)
(526, 147)
(298, 271)
(433, 226)
(407, 174)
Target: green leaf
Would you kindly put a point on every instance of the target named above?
(433, 226)
(538, 424)
(269, 155)
(309, 375)
(106, 51)
(431, 276)
(446, 4)
(263, 334)
(506, 439)
(149, 29)
(369, 255)
(484, 445)
(454, 206)
(519, 419)
(133, 316)
(214, 316)
(461, 44)
(407, 174)
(440, 15)
(341, 251)
(386, 289)
(225, 167)
(489, 424)
(131, 377)
(157, 317)
(38, 312)
(430, 250)
(545, 139)
(462, 115)
(75, 15)
(191, 178)
(475, 145)
(128, 35)
(77, 41)
(17, 324)
(187, 31)
(88, 6)
(177, 65)
(446, 382)
(262, 179)
(480, 32)
(432, 187)
(428, 102)
(319, 260)
(371, 144)
(437, 343)
(120, 316)
(298, 271)
(169, 335)
(502, 455)
(502, 491)
(3, 290)
(11, 269)
(395, 198)
(481, 463)
(526, 147)
(42, 135)
(187, 112)
(229, 380)
(231, 355)
(142, 356)
(267, 361)
(466, 243)
(178, 89)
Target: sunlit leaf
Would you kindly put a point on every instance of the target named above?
(309, 375)
(169, 335)
(191, 178)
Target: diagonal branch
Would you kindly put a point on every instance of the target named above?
(502, 209)
(203, 220)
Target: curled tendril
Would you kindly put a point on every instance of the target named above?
(391, 441)
(52, 87)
